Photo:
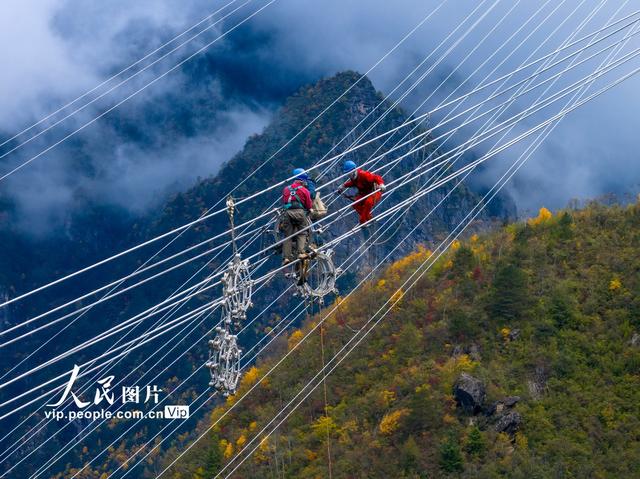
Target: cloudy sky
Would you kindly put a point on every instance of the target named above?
(185, 124)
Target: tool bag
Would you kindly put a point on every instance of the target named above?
(318, 209)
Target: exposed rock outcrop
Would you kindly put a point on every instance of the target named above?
(499, 407)
(470, 393)
(509, 422)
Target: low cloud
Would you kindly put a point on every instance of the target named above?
(185, 125)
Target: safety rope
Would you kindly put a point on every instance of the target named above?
(326, 402)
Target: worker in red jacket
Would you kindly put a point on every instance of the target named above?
(366, 183)
(296, 203)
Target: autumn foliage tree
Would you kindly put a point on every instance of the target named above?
(552, 321)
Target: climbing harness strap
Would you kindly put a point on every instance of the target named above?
(293, 193)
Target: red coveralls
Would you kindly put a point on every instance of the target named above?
(365, 182)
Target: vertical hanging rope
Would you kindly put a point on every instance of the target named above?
(231, 205)
(326, 403)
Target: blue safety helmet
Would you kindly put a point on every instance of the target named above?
(348, 166)
(300, 174)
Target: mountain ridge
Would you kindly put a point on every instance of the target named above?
(102, 236)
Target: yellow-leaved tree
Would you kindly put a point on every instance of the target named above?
(391, 421)
(544, 215)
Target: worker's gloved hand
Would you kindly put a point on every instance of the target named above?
(381, 187)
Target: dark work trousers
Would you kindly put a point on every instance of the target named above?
(294, 221)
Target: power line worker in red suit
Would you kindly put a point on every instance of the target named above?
(366, 183)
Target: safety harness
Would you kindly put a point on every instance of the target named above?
(293, 193)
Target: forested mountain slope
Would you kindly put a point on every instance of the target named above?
(319, 122)
(101, 231)
(517, 355)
